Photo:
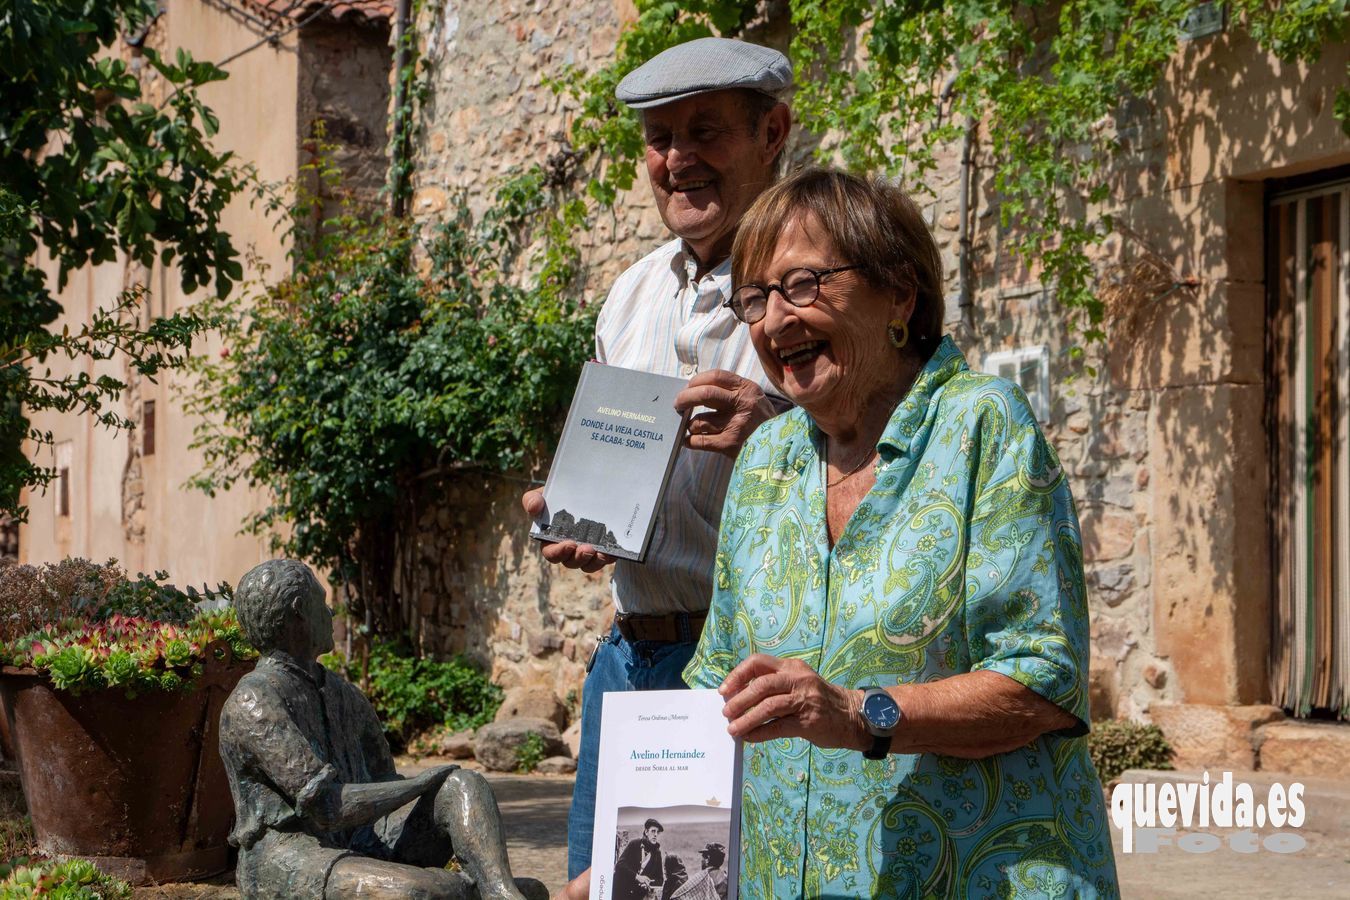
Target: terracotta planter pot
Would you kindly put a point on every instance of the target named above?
(135, 785)
(6, 742)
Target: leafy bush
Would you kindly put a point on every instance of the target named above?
(530, 752)
(88, 626)
(412, 694)
(388, 358)
(129, 179)
(1121, 744)
(75, 879)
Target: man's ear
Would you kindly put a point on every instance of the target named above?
(296, 604)
(777, 124)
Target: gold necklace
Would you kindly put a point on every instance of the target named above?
(865, 460)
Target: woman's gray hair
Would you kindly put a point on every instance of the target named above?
(263, 599)
(872, 223)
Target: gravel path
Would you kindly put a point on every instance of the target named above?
(534, 812)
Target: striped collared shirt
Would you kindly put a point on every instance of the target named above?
(659, 319)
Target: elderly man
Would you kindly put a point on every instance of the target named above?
(714, 130)
(319, 809)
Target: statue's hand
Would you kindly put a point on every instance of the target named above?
(432, 779)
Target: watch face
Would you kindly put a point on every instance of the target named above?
(881, 710)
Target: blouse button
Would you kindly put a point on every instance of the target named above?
(801, 776)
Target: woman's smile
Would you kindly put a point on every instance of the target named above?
(801, 354)
(829, 355)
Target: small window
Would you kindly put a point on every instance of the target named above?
(1029, 369)
(148, 428)
(64, 452)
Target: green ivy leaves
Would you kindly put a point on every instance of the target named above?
(888, 87)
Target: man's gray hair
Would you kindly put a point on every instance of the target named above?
(263, 597)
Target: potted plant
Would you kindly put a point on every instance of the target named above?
(76, 879)
(112, 689)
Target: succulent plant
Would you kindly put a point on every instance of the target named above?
(89, 627)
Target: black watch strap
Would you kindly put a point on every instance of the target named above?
(887, 715)
(881, 747)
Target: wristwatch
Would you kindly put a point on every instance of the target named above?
(881, 716)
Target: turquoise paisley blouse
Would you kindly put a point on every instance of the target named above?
(965, 556)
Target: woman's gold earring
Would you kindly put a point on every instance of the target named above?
(898, 330)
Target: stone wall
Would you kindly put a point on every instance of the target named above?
(489, 111)
(480, 584)
(344, 81)
(485, 590)
(1159, 427)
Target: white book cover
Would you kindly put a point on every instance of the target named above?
(666, 758)
(617, 450)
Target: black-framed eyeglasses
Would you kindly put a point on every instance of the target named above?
(800, 287)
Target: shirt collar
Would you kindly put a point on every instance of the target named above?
(284, 661)
(805, 446)
(684, 264)
(909, 416)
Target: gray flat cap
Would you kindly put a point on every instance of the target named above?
(703, 65)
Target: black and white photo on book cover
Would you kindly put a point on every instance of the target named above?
(671, 852)
(667, 813)
(613, 461)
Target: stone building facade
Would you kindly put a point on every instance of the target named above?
(1168, 446)
(123, 495)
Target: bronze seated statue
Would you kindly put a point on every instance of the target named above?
(319, 810)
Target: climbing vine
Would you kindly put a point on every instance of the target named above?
(885, 87)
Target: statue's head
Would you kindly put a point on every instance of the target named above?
(281, 606)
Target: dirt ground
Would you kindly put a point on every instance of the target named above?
(534, 812)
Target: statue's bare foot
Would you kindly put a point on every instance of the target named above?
(360, 876)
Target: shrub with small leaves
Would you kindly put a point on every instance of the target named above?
(412, 694)
(35, 596)
(1121, 744)
(530, 753)
(388, 359)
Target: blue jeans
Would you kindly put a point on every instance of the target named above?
(619, 665)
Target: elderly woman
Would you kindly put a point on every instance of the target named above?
(899, 623)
